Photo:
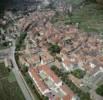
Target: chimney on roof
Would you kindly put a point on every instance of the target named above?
(40, 58)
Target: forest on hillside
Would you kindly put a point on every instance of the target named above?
(17, 5)
(3, 5)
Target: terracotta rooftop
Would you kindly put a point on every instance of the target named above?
(66, 92)
(45, 56)
(35, 75)
(32, 59)
(49, 73)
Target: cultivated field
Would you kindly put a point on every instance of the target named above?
(9, 89)
(89, 20)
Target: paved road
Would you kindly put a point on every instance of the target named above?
(22, 84)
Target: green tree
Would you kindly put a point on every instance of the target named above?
(25, 69)
(54, 48)
(20, 40)
(78, 73)
(99, 90)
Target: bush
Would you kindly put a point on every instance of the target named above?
(99, 90)
(20, 41)
(78, 73)
(54, 48)
(25, 69)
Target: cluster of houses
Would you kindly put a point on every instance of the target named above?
(79, 50)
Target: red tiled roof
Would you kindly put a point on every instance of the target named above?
(33, 59)
(50, 73)
(46, 56)
(35, 73)
(69, 93)
(37, 78)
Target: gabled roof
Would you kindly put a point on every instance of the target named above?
(41, 76)
(35, 74)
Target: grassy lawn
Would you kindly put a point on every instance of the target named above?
(11, 77)
(9, 89)
(3, 71)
